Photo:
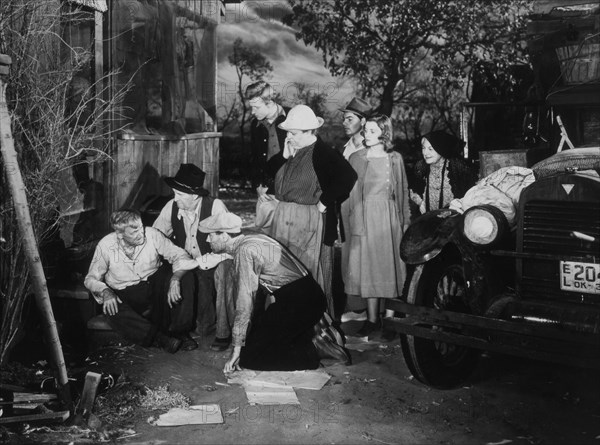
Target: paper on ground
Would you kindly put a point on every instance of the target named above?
(296, 379)
(194, 415)
(241, 377)
(272, 395)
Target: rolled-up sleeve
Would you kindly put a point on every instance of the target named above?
(247, 268)
(178, 257)
(94, 280)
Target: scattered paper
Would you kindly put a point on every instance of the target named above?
(276, 395)
(241, 377)
(502, 442)
(194, 415)
(296, 379)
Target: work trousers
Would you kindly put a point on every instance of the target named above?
(203, 288)
(225, 305)
(280, 338)
(144, 310)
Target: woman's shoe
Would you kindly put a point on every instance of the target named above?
(353, 316)
(368, 328)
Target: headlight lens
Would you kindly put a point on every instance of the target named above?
(482, 225)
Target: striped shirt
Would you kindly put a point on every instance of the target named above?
(297, 180)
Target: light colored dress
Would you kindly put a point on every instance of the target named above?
(374, 217)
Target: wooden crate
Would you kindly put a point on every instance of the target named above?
(142, 161)
(579, 63)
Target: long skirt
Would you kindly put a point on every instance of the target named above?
(300, 228)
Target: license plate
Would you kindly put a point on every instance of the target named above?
(580, 277)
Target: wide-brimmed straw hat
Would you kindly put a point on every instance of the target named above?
(301, 117)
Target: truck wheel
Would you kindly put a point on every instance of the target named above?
(439, 284)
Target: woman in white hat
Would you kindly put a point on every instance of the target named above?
(309, 186)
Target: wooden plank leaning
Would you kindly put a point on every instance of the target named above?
(36, 272)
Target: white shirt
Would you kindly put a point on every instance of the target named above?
(111, 267)
(350, 148)
(190, 225)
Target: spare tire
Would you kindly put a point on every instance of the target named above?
(584, 158)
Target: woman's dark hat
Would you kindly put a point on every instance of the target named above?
(447, 145)
(188, 179)
(358, 106)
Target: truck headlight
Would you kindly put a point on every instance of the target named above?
(484, 224)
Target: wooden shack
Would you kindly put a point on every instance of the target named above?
(159, 58)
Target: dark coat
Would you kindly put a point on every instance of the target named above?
(336, 179)
(263, 171)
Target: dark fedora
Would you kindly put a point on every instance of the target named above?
(358, 106)
(188, 179)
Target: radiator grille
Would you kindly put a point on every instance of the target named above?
(547, 227)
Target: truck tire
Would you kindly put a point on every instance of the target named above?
(439, 284)
(585, 158)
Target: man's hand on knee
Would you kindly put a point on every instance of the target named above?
(110, 302)
(174, 293)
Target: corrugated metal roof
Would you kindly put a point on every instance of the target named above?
(98, 5)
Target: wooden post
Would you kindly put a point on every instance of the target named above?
(36, 272)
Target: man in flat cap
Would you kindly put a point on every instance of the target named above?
(179, 220)
(355, 114)
(292, 333)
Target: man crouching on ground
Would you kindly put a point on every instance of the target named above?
(288, 335)
(140, 295)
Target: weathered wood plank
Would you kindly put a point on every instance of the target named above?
(54, 416)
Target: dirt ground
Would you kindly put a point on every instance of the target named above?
(374, 400)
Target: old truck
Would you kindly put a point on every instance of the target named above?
(532, 290)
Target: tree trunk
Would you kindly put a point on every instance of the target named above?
(36, 271)
(386, 106)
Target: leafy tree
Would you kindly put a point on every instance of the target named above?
(407, 51)
(251, 63)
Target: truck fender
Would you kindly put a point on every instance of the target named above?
(428, 234)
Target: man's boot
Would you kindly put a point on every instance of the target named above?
(169, 344)
(329, 349)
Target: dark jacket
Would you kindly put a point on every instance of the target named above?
(263, 171)
(336, 179)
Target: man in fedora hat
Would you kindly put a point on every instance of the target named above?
(266, 138)
(292, 333)
(353, 122)
(179, 220)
